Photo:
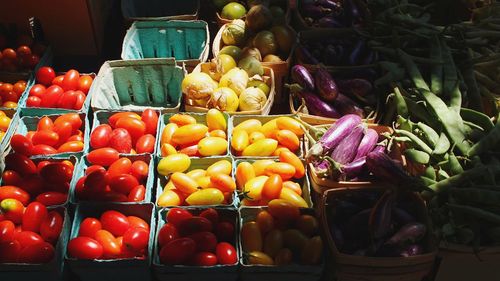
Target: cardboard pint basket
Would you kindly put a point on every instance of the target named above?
(129, 269)
(164, 272)
(362, 268)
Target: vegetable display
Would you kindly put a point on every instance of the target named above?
(11, 93)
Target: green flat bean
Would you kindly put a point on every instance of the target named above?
(477, 118)
(488, 142)
(427, 181)
(472, 90)
(486, 81)
(450, 84)
(475, 212)
(401, 107)
(437, 69)
(431, 136)
(455, 167)
(458, 179)
(405, 124)
(430, 173)
(415, 140)
(473, 126)
(477, 195)
(442, 175)
(442, 146)
(417, 156)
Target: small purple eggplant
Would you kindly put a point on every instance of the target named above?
(322, 168)
(412, 250)
(355, 87)
(355, 168)
(346, 150)
(347, 106)
(334, 5)
(368, 143)
(329, 22)
(314, 11)
(385, 168)
(318, 107)
(381, 215)
(327, 89)
(411, 232)
(303, 77)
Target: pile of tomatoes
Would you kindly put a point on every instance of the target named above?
(53, 135)
(252, 138)
(184, 135)
(126, 132)
(25, 56)
(112, 236)
(281, 235)
(4, 124)
(124, 180)
(67, 91)
(211, 186)
(266, 179)
(28, 235)
(11, 93)
(206, 239)
(46, 182)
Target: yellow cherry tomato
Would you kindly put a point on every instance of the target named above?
(292, 197)
(223, 182)
(4, 123)
(189, 134)
(204, 182)
(215, 120)
(259, 166)
(182, 119)
(169, 185)
(220, 167)
(244, 173)
(196, 173)
(255, 136)
(288, 139)
(253, 188)
(211, 146)
(184, 183)
(250, 125)
(218, 133)
(167, 149)
(209, 196)
(239, 140)
(292, 159)
(169, 197)
(166, 134)
(10, 104)
(293, 186)
(173, 163)
(270, 129)
(264, 147)
(285, 170)
(260, 258)
(288, 123)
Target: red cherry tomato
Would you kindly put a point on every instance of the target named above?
(136, 239)
(115, 117)
(14, 192)
(111, 248)
(96, 180)
(9, 251)
(136, 128)
(43, 149)
(137, 222)
(100, 136)
(38, 90)
(51, 96)
(84, 248)
(80, 100)
(45, 123)
(46, 137)
(205, 241)
(52, 198)
(115, 222)
(27, 238)
(34, 214)
(75, 138)
(140, 170)
(21, 144)
(84, 83)
(23, 50)
(45, 75)
(70, 81)
(20, 163)
(168, 233)
(137, 194)
(7, 231)
(67, 100)
(119, 167)
(226, 253)
(63, 130)
(194, 225)
(51, 227)
(56, 172)
(123, 183)
(225, 231)
(203, 259)
(33, 101)
(145, 144)
(88, 227)
(121, 140)
(103, 156)
(71, 146)
(73, 118)
(211, 215)
(176, 215)
(10, 177)
(58, 80)
(150, 119)
(37, 253)
(177, 251)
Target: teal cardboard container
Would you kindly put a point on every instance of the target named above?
(135, 10)
(237, 119)
(52, 271)
(182, 40)
(200, 119)
(40, 111)
(117, 269)
(197, 163)
(290, 272)
(14, 122)
(137, 85)
(102, 117)
(303, 182)
(185, 272)
(84, 164)
(29, 123)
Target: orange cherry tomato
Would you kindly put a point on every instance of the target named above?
(120, 166)
(272, 187)
(285, 170)
(136, 128)
(223, 182)
(288, 139)
(71, 146)
(46, 137)
(115, 117)
(295, 187)
(294, 160)
(84, 83)
(45, 123)
(182, 119)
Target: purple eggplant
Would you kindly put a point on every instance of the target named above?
(322, 168)
(327, 88)
(329, 22)
(305, 56)
(318, 107)
(355, 168)
(347, 106)
(381, 215)
(411, 232)
(314, 11)
(385, 168)
(334, 135)
(334, 5)
(303, 77)
(412, 250)
(368, 143)
(355, 87)
(346, 150)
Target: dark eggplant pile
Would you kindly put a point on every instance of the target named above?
(332, 13)
(377, 223)
(332, 98)
(350, 151)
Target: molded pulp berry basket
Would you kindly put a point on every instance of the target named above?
(137, 85)
(117, 269)
(187, 273)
